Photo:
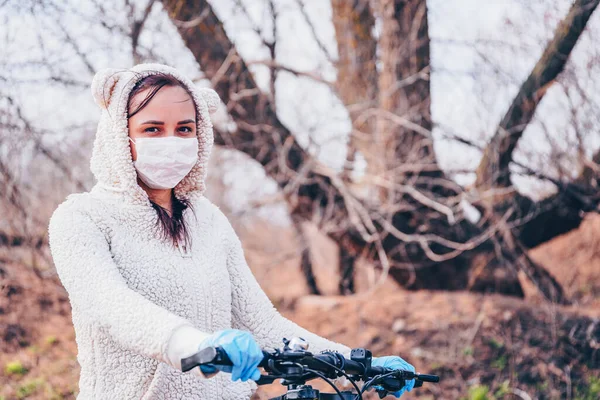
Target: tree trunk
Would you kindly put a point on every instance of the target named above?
(347, 272)
(305, 261)
(403, 150)
(404, 87)
(356, 86)
(356, 83)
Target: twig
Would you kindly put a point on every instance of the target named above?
(522, 394)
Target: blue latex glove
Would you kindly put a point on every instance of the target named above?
(395, 362)
(242, 349)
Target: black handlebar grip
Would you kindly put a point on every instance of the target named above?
(221, 358)
(428, 378)
(215, 356)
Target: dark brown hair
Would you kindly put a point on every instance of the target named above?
(172, 227)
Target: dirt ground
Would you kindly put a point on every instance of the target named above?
(482, 346)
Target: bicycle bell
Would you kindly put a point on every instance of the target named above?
(297, 344)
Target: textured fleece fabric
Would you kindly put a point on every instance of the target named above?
(131, 291)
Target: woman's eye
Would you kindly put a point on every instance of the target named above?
(186, 129)
(152, 129)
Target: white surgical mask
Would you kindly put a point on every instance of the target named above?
(163, 162)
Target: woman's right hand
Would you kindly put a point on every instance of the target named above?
(243, 351)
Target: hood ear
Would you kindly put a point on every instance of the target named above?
(103, 85)
(211, 98)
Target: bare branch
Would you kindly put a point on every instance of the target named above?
(493, 169)
(313, 30)
(137, 26)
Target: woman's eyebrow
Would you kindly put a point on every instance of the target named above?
(153, 123)
(187, 121)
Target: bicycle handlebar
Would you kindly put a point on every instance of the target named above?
(328, 363)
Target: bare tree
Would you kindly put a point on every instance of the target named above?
(415, 229)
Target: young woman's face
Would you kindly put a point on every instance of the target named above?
(171, 112)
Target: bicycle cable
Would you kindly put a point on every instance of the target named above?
(345, 375)
(377, 378)
(326, 379)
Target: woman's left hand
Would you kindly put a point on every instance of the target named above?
(395, 362)
(243, 351)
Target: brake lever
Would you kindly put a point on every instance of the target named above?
(266, 380)
(390, 384)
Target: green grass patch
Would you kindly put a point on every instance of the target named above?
(503, 390)
(51, 340)
(479, 392)
(500, 362)
(589, 392)
(495, 343)
(29, 388)
(15, 368)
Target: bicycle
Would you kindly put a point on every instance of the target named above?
(294, 365)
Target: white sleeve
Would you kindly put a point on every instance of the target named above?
(253, 311)
(99, 294)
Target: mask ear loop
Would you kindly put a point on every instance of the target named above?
(134, 142)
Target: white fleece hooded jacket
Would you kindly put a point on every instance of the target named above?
(139, 304)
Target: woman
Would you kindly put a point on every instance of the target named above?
(153, 269)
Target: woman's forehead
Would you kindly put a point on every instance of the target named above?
(170, 102)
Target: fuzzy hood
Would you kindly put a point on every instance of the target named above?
(111, 161)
